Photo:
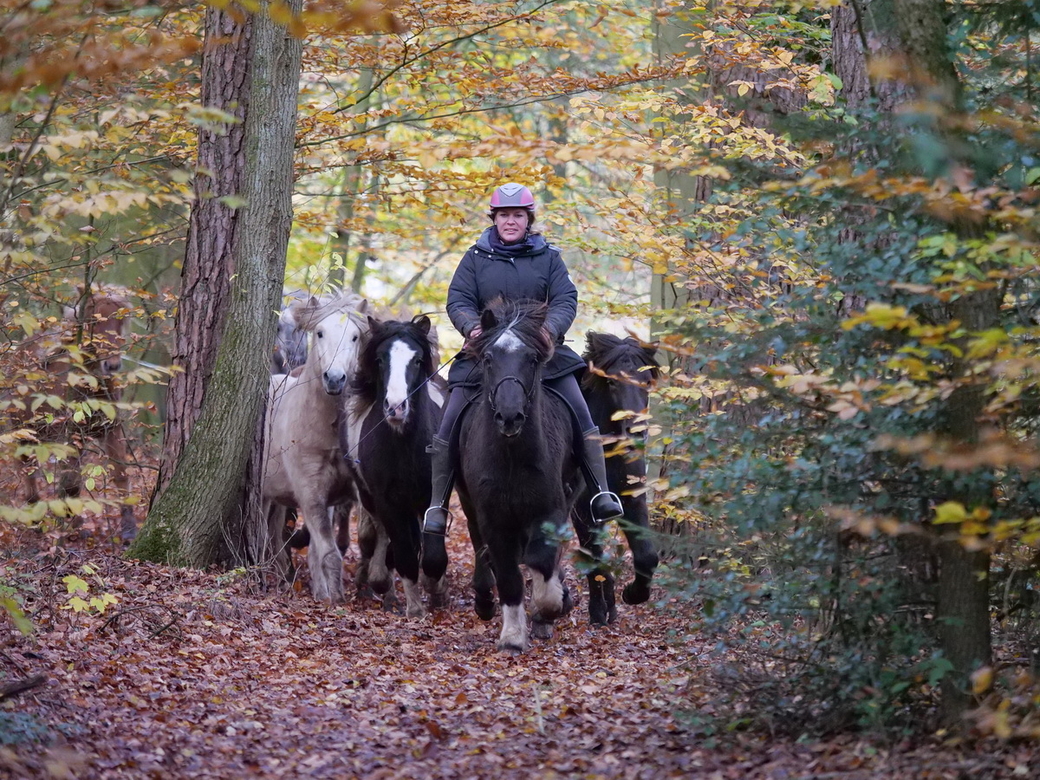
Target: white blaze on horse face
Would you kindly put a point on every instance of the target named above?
(397, 380)
(509, 342)
(335, 346)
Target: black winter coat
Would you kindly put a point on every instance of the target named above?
(536, 273)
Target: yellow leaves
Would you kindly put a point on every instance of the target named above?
(881, 315)
(953, 512)
(981, 680)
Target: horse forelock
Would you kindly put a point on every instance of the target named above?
(311, 313)
(612, 354)
(521, 319)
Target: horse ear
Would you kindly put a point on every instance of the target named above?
(488, 320)
(422, 322)
(372, 322)
(363, 306)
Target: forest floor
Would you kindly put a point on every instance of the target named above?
(194, 675)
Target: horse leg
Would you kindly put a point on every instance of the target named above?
(549, 597)
(116, 451)
(323, 557)
(602, 608)
(437, 590)
(367, 538)
(277, 541)
(404, 538)
(379, 576)
(644, 556)
(483, 582)
(341, 515)
(504, 551)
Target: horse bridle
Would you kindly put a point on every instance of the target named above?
(503, 380)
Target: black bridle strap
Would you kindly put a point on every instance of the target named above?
(502, 381)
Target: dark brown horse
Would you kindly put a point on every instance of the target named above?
(80, 363)
(616, 388)
(518, 473)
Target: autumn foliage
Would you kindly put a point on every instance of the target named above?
(839, 272)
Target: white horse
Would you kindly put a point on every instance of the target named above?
(304, 465)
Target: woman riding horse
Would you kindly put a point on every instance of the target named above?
(512, 261)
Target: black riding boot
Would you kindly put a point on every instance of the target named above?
(435, 521)
(604, 505)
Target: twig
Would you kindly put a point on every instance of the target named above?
(21, 686)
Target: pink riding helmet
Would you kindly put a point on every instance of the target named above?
(512, 196)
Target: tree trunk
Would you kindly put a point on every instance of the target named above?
(963, 605)
(210, 505)
(212, 230)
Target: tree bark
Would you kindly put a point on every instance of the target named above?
(210, 506)
(963, 605)
(212, 230)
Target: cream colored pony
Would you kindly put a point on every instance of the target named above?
(304, 465)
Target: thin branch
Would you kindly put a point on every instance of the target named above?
(465, 111)
(444, 44)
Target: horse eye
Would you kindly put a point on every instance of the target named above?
(355, 337)
(321, 334)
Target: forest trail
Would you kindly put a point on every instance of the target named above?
(192, 676)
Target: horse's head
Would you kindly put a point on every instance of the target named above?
(511, 350)
(290, 344)
(397, 357)
(105, 315)
(622, 372)
(337, 325)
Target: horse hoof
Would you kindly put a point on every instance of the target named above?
(635, 593)
(511, 648)
(541, 630)
(598, 617)
(381, 585)
(485, 609)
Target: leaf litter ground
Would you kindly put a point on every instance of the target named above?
(194, 675)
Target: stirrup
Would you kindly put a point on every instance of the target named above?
(609, 494)
(427, 526)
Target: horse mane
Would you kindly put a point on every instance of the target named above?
(310, 312)
(525, 318)
(365, 381)
(608, 353)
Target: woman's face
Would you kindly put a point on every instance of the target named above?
(511, 224)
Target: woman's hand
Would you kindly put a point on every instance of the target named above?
(474, 333)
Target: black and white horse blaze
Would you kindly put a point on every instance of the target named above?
(518, 474)
(393, 413)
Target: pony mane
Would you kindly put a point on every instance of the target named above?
(609, 353)
(365, 384)
(525, 318)
(309, 313)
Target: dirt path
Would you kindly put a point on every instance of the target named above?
(191, 676)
